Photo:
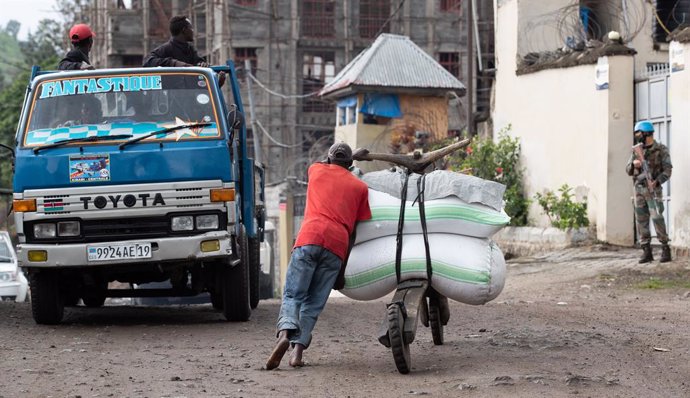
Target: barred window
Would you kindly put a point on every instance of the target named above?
(451, 62)
(317, 70)
(244, 53)
(318, 18)
(451, 5)
(373, 17)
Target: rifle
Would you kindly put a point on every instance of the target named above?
(649, 192)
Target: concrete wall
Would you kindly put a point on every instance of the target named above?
(569, 131)
(679, 101)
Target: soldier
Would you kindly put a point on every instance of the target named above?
(659, 165)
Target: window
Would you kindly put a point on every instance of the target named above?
(451, 62)
(244, 53)
(373, 17)
(346, 111)
(451, 6)
(317, 70)
(246, 3)
(318, 18)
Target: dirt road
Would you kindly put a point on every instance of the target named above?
(586, 321)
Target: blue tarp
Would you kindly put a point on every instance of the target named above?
(385, 105)
(347, 101)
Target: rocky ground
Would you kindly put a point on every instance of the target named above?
(586, 322)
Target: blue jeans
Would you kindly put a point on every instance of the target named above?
(309, 280)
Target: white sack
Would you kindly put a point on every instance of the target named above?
(449, 215)
(465, 269)
(439, 184)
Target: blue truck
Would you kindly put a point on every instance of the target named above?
(135, 176)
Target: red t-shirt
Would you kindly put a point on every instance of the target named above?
(336, 200)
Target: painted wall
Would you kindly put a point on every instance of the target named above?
(679, 102)
(569, 131)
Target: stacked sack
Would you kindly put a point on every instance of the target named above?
(462, 212)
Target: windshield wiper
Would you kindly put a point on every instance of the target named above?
(165, 132)
(83, 139)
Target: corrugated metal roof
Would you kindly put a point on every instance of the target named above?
(394, 61)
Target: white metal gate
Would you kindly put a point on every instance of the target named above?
(651, 103)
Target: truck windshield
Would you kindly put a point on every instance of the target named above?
(122, 105)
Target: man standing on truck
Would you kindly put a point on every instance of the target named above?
(336, 201)
(81, 37)
(648, 190)
(179, 51)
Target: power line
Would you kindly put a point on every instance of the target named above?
(278, 143)
(277, 94)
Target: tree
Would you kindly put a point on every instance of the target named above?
(44, 43)
(12, 28)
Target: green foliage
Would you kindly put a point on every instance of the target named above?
(44, 43)
(12, 61)
(496, 161)
(562, 210)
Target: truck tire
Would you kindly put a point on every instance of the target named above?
(93, 300)
(254, 271)
(217, 300)
(47, 305)
(236, 292)
(94, 296)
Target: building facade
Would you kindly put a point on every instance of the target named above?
(295, 47)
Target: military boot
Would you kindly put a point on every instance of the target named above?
(665, 254)
(646, 254)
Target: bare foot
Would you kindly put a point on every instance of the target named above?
(277, 355)
(296, 356)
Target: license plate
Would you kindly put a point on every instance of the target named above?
(119, 252)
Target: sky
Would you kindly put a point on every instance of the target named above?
(27, 12)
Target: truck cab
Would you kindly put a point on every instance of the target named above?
(136, 175)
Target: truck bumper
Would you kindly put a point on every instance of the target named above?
(178, 248)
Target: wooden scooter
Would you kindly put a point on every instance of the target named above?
(414, 299)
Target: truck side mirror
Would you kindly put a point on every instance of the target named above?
(235, 118)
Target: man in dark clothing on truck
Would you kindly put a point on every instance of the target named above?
(179, 51)
(81, 37)
(336, 201)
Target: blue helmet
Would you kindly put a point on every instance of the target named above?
(644, 126)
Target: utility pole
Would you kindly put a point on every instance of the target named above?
(250, 98)
(470, 68)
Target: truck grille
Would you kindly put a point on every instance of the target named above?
(131, 228)
(124, 228)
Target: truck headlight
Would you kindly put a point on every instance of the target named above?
(207, 221)
(68, 228)
(44, 231)
(182, 223)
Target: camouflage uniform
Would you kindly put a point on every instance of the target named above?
(659, 163)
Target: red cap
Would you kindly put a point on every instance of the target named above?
(80, 32)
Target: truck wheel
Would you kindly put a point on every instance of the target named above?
(93, 300)
(94, 296)
(70, 299)
(47, 305)
(254, 271)
(236, 301)
(217, 300)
